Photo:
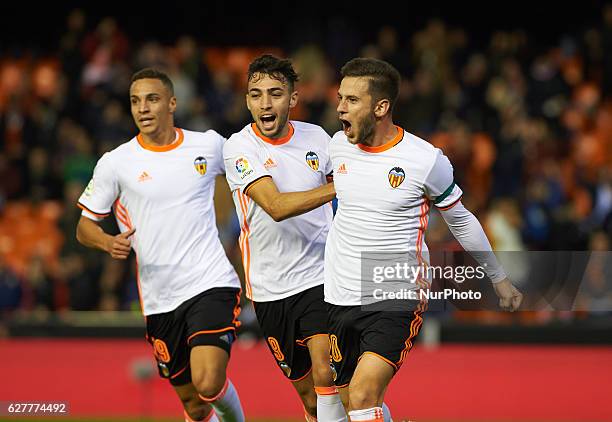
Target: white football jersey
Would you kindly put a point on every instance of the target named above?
(166, 193)
(280, 258)
(384, 197)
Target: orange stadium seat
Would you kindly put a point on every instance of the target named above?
(27, 231)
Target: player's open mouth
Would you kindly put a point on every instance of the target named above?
(146, 121)
(267, 121)
(346, 126)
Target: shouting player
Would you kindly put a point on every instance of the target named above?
(386, 181)
(277, 170)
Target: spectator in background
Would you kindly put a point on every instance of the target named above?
(11, 291)
(540, 102)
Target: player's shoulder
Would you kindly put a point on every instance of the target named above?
(339, 138)
(419, 146)
(309, 128)
(339, 142)
(120, 152)
(198, 137)
(311, 133)
(240, 140)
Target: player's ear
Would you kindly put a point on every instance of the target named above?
(172, 104)
(382, 107)
(293, 100)
(246, 100)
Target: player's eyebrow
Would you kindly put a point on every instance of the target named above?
(348, 97)
(147, 95)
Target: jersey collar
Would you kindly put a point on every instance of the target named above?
(178, 141)
(387, 145)
(279, 141)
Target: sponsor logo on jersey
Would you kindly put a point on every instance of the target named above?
(243, 167)
(396, 176)
(342, 169)
(200, 165)
(312, 159)
(144, 176)
(269, 163)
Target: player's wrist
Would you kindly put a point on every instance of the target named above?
(107, 243)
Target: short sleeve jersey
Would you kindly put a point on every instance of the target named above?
(280, 258)
(166, 194)
(384, 197)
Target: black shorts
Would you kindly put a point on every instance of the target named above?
(287, 325)
(352, 332)
(208, 319)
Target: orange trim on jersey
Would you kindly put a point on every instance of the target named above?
(244, 243)
(218, 396)
(179, 372)
(303, 341)
(387, 145)
(303, 376)
(415, 327)
(122, 214)
(237, 310)
(326, 391)
(83, 207)
(210, 332)
(163, 148)
(279, 141)
(448, 207)
(124, 217)
(253, 183)
(395, 368)
(423, 222)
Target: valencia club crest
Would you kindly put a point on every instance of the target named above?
(312, 159)
(200, 165)
(396, 176)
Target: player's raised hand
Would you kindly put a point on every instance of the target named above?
(120, 245)
(510, 297)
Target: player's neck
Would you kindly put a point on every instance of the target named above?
(284, 132)
(160, 138)
(384, 132)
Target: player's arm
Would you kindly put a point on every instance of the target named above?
(465, 227)
(283, 205)
(468, 231)
(90, 234)
(96, 201)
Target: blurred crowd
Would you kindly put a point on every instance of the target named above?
(527, 126)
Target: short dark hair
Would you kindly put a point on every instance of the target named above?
(280, 69)
(150, 73)
(384, 78)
